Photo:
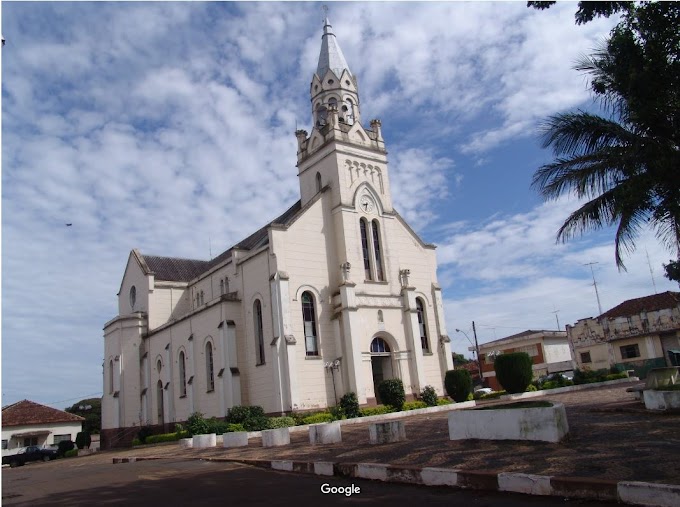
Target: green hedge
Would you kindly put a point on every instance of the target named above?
(281, 422)
(443, 401)
(71, 453)
(458, 384)
(321, 417)
(379, 410)
(414, 405)
(167, 437)
(392, 393)
(514, 371)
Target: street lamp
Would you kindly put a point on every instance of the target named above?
(476, 346)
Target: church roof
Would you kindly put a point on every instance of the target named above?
(29, 412)
(331, 56)
(173, 269)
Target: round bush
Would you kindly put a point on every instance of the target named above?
(238, 414)
(83, 440)
(391, 393)
(257, 423)
(281, 422)
(458, 384)
(64, 446)
(514, 371)
(429, 396)
(197, 425)
(350, 405)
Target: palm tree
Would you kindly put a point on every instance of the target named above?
(626, 167)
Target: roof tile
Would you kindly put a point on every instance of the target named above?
(30, 412)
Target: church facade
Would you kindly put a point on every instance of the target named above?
(335, 295)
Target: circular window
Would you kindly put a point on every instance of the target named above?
(347, 82)
(133, 296)
(159, 366)
(330, 81)
(316, 87)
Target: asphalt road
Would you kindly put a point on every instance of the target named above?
(76, 482)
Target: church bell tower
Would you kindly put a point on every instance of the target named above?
(340, 153)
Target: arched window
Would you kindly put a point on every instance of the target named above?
(376, 251)
(226, 285)
(159, 365)
(332, 102)
(111, 376)
(182, 375)
(259, 336)
(321, 116)
(365, 249)
(159, 401)
(202, 297)
(309, 319)
(209, 371)
(379, 346)
(380, 316)
(422, 325)
(318, 182)
(221, 287)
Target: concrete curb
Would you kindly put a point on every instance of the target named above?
(567, 389)
(627, 492)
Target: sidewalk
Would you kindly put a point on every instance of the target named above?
(612, 438)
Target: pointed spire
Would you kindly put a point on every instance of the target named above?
(331, 56)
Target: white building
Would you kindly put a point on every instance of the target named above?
(332, 296)
(29, 423)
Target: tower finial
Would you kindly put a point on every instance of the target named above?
(324, 8)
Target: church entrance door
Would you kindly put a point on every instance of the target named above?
(381, 364)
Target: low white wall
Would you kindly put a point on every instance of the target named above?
(235, 439)
(661, 400)
(548, 424)
(209, 440)
(326, 433)
(568, 389)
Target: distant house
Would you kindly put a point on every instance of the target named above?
(549, 351)
(28, 423)
(639, 334)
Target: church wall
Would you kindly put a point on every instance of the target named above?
(257, 380)
(166, 303)
(133, 276)
(310, 254)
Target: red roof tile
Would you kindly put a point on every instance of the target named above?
(636, 306)
(29, 412)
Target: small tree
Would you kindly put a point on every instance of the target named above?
(197, 425)
(63, 446)
(458, 384)
(83, 440)
(429, 396)
(391, 393)
(350, 405)
(514, 371)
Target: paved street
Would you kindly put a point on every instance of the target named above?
(173, 482)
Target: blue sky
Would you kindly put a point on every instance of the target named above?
(169, 127)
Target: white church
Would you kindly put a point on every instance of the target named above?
(335, 295)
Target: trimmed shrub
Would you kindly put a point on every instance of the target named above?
(234, 427)
(71, 453)
(443, 401)
(616, 376)
(64, 446)
(530, 388)
(168, 437)
(458, 384)
(392, 393)
(514, 371)
(350, 405)
(429, 396)
(336, 412)
(136, 442)
(143, 433)
(379, 410)
(257, 423)
(281, 422)
(414, 405)
(197, 424)
(83, 440)
(238, 414)
(321, 417)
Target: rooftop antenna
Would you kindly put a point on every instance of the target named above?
(597, 294)
(651, 271)
(557, 319)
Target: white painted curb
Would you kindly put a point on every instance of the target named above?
(286, 466)
(645, 493)
(439, 476)
(371, 471)
(524, 483)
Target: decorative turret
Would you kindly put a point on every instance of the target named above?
(333, 84)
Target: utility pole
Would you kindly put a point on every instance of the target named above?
(479, 362)
(597, 294)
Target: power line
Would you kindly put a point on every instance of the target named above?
(84, 397)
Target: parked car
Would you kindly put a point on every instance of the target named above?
(27, 454)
